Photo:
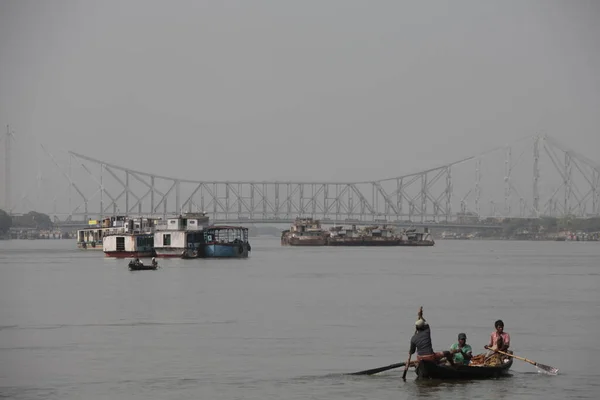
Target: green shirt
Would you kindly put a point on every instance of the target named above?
(458, 357)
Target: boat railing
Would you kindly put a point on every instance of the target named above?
(226, 234)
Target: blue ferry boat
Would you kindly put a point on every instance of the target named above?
(226, 242)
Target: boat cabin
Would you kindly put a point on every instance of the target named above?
(306, 225)
(186, 222)
(225, 234)
(91, 237)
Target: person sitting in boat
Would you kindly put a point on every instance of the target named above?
(154, 263)
(461, 350)
(138, 262)
(499, 340)
(421, 343)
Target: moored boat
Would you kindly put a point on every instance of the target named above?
(433, 370)
(136, 240)
(304, 232)
(91, 237)
(377, 236)
(226, 242)
(181, 236)
(126, 245)
(411, 237)
(367, 236)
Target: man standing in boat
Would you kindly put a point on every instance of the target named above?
(421, 342)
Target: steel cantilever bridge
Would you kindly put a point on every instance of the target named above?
(533, 177)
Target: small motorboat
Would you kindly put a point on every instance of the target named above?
(139, 266)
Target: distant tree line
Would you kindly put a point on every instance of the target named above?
(550, 224)
(5, 222)
(31, 220)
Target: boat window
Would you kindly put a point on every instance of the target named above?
(227, 235)
(166, 239)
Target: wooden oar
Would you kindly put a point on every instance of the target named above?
(543, 367)
(406, 367)
(378, 370)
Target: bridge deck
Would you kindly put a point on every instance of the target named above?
(325, 222)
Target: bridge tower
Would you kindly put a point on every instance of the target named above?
(7, 175)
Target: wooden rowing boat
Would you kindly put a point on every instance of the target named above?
(141, 267)
(433, 370)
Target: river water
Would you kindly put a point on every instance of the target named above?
(287, 323)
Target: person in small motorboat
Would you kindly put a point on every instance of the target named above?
(461, 350)
(421, 343)
(154, 263)
(138, 262)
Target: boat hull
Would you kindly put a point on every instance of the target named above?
(129, 254)
(321, 241)
(432, 370)
(234, 250)
(416, 244)
(170, 252)
(133, 267)
(360, 242)
(191, 253)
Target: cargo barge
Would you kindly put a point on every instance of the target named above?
(304, 232)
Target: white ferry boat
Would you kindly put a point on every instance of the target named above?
(137, 239)
(91, 237)
(181, 236)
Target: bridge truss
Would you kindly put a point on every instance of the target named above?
(534, 177)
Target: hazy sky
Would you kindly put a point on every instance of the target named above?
(314, 90)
